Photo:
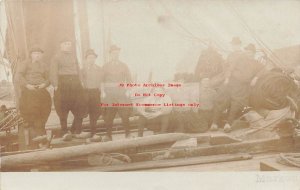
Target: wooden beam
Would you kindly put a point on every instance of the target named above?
(264, 145)
(168, 163)
(254, 146)
(83, 150)
(273, 165)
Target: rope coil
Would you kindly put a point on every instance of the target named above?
(272, 91)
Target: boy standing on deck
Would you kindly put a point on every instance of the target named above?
(92, 76)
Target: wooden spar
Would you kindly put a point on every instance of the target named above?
(83, 150)
(272, 165)
(253, 146)
(50, 156)
(169, 163)
(259, 146)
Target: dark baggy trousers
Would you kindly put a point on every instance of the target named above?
(192, 122)
(234, 97)
(93, 107)
(70, 96)
(110, 114)
(158, 124)
(35, 108)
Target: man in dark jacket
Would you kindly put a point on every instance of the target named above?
(114, 73)
(35, 100)
(68, 94)
(210, 64)
(234, 94)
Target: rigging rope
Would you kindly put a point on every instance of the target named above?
(177, 30)
(291, 159)
(255, 37)
(12, 36)
(2, 57)
(190, 34)
(217, 42)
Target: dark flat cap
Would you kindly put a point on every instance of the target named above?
(65, 39)
(236, 41)
(90, 52)
(36, 49)
(250, 47)
(114, 48)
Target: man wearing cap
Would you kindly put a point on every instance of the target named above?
(232, 59)
(68, 95)
(114, 73)
(210, 65)
(35, 101)
(234, 95)
(92, 76)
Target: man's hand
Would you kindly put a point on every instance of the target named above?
(148, 115)
(103, 95)
(155, 109)
(154, 115)
(127, 93)
(253, 81)
(145, 114)
(226, 81)
(83, 85)
(43, 85)
(30, 87)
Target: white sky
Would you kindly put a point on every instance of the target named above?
(146, 44)
(164, 47)
(3, 25)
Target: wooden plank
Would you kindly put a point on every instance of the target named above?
(85, 125)
(275, 144)
(234, 166)
(217, 139)
(258, 146)
(22, 138)
(169, 163)
(20, 152)
(273, 165)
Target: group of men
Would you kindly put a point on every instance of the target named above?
(221, 87)
(80, 91)
(232, 79)
(75, 90)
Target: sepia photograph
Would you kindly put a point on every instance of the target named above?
(150, 86)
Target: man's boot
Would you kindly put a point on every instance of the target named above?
(108, 136)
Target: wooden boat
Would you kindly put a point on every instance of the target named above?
(153, 152)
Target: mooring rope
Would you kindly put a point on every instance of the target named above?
(291, 159)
